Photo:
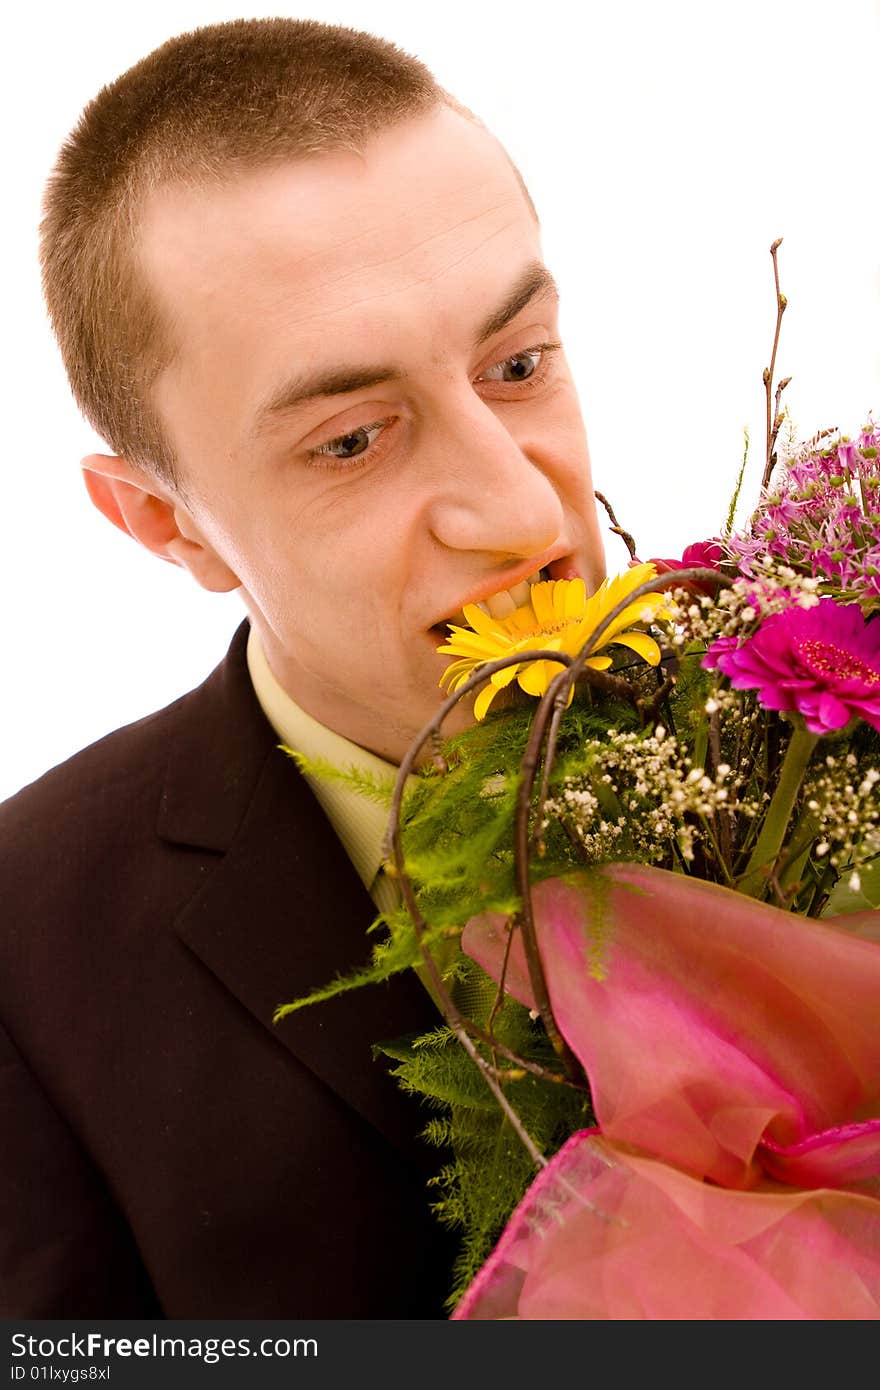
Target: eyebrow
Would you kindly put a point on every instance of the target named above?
(534, 283)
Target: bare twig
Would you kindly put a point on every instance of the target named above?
(439, 758)
(779, 415)
(649, 709)
(615, 525)
(549, 754)
(774, 423)
(457, 1023)
(499, 993)
(528, 766)
(720, 816)
(821, 434)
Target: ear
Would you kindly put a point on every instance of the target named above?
(156, 517)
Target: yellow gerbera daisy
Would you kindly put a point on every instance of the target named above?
(559, 616)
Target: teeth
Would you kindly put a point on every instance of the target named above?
(500, 605)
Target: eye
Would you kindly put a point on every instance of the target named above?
(523, 365)
(356, 447)
(350, 445)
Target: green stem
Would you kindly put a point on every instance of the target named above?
(701, 744)
(791, 774)
(799, 848)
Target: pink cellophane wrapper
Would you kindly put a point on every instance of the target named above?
(733, 1051)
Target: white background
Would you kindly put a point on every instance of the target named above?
(665, 145)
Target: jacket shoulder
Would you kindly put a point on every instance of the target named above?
(105, 784)
(126, 764)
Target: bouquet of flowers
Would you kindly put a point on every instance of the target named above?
(648, 908)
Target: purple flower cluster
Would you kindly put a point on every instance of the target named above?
(823, 662)
(823, 519)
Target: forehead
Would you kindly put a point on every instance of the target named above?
(427, 226)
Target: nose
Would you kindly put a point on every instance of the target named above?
(490, 494)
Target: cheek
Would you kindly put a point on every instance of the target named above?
(365, 542)
(343, 562)
(566, 422)
(556, 429)
(339, 597)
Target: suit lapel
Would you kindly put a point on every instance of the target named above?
(282, 911)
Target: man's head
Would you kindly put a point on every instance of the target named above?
(300, 292)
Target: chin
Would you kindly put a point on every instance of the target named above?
(459, 718)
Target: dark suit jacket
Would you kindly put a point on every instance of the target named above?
(166, 1150)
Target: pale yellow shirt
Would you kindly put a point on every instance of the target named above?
(359, 822)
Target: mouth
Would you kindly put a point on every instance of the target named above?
(503, 602)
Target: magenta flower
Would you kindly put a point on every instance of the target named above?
(706, 554)
(701, 554)
(823, 662)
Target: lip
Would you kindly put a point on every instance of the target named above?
(560, 560)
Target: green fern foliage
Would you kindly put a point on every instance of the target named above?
(356, 779)
(488, 1170)
(457, 838)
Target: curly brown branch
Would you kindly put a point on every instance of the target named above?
(616, 527)
(773, 425)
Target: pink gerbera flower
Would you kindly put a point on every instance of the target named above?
(823, 662)
(707, 554)
(700, 555)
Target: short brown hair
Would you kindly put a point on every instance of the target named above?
(204, 105)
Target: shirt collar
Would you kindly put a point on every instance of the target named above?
(359, 822)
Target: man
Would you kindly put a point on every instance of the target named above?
(300, 292)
